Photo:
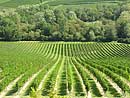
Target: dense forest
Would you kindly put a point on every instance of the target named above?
(44, 23)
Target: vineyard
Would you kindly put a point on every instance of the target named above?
(64, 69)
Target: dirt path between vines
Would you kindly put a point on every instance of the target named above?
(81, 80)
(100, 88)
(27, 84)
(114, 85)
(46, 75)
(58, 76)
(10, 86)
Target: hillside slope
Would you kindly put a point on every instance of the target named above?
(15, 3)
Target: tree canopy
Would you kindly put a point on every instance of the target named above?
(43, 23)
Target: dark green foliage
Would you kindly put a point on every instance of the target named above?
(43, 23)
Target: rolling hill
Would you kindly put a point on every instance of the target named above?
(15, 3)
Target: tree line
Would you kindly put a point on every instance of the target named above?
(44, 23)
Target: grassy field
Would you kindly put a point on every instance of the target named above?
(15, 3)
(75, 69)
(78, 2)
(91, 5)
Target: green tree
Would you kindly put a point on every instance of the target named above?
(8, 29)
(110, 32)
(127, 30)
(56, 36)
(91, 35)
(122, 24)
